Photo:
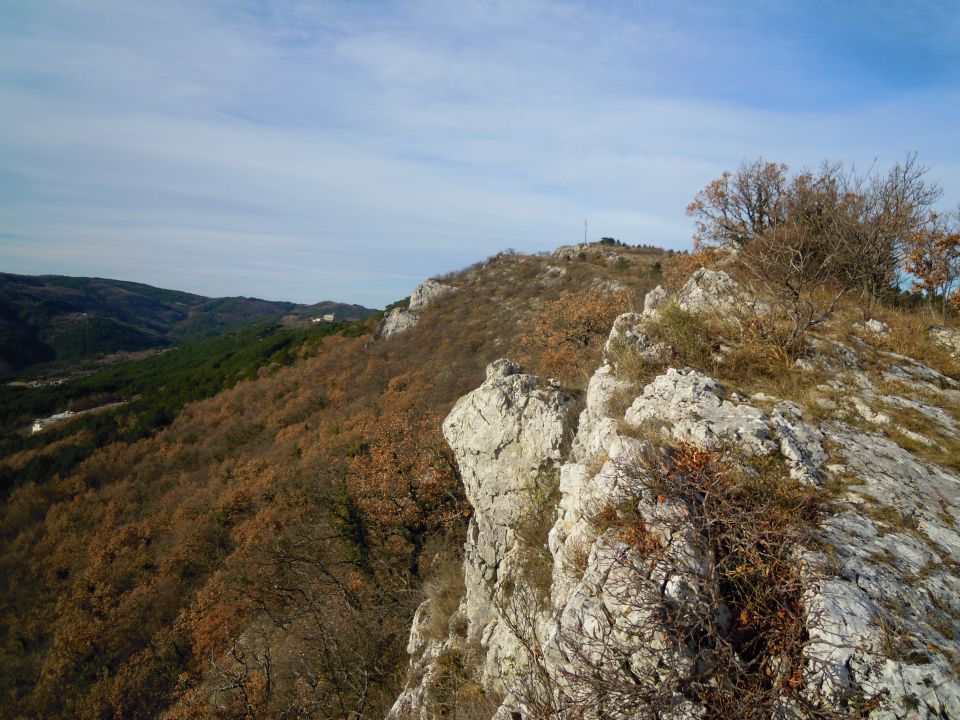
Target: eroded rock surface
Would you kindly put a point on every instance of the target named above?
(508, 436)
(426, 292)
(710, 291)
(654, 300)
(947, 338)
(397, 321)
(882, 578)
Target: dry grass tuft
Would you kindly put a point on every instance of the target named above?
(542, 497)
(456, 691)
(444, 587)
(910, 336)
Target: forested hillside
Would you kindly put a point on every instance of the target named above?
(259, 553)
(50, 317)
(130, 400)
(250, 534)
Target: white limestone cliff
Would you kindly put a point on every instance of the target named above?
(426, 292)
(882, 579)
(399, 320)
(506, 435)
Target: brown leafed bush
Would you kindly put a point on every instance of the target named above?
(565, 337)
(444, 587)
(731, 633)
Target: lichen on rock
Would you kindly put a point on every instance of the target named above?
(881, 619)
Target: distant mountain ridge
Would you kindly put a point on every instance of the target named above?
(53, 317)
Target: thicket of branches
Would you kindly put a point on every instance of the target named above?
(705, 592)
(809, 238)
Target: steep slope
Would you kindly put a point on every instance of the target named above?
(49, 317)
(711, 554)
(262, 555)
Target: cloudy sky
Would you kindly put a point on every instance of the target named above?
(301, 150)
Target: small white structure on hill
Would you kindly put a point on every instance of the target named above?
(40, 423)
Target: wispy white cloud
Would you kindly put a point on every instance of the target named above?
(347, 150)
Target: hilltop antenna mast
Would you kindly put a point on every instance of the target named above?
(584, 230)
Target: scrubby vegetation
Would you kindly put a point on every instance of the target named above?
(712, 579)
(259, 552)
(250, 534)
(154, 391)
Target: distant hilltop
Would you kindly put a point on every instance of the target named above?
(46, 318)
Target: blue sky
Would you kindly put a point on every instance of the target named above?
(347, 150)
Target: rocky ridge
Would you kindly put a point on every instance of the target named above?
(881, 572)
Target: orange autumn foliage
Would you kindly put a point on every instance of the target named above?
(569, 332)
(260, 556)
(933, 258)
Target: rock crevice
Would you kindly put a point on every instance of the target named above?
(881, 578)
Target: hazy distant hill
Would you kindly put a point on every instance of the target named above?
(52, 317)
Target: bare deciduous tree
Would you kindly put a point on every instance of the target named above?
(862, 222)
(737, 207)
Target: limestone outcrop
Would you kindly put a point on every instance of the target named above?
(508, 435)
(654, 300)
(880, 570)
(399, 320)
(572, 252)
(426, 292)
(947, 338)
(710, 291)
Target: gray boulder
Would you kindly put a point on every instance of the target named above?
(397, 321)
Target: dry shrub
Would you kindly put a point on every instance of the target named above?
(566, 335)
(678, 268)
(796, 278)
(756, 358)
(455, 691)
(444, 587)
(576, 558)
(731, 634)
(754, 521)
